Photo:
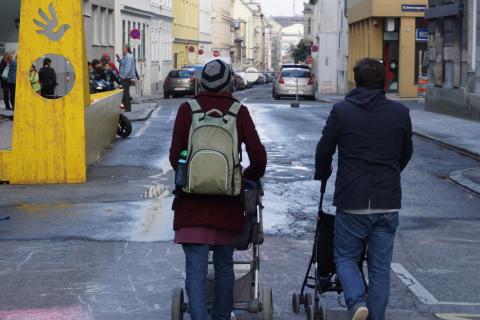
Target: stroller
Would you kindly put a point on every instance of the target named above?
(323, 278)
(247, 290)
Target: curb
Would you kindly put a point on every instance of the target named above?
(463, 151)
(458, 178)
(146, 115)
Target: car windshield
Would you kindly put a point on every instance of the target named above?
(296, 72)
(181, 74)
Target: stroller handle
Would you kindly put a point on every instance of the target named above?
(323, 188)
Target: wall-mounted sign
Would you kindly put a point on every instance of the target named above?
(414, 8)
(200, 52)
(191, 49)
(315, 48)
(216, 53)
(309, 60)
(422, 34)
(135, 34)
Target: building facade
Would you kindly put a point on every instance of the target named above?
(453, 58)
(205, 31)
(393, 33)
(290, 37)
(327, 28)
(186, 33)
(223, 24)
(152, 52)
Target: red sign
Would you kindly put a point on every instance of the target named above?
(135, 34)
(315, 48)
(191, 49)
(201, 52)
(310, 60)
(216, 53)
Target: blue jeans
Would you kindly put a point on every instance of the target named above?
(196, 283)
(352, 233)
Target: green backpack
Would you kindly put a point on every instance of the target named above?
(213, 152)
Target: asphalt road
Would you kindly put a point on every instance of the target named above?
(103, 250)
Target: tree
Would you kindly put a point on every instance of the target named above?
(300, 52)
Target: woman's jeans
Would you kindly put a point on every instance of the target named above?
(196, 282)
(352, 233)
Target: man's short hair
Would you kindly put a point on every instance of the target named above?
(369, 73)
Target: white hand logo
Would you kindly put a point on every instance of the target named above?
(49, 25)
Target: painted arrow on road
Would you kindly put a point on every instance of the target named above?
(458, 316)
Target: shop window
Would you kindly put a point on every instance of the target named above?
(421, 48)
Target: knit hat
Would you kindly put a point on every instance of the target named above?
(216, 76)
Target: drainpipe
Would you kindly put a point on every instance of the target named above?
(473, 12)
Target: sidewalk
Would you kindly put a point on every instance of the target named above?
(453, 133)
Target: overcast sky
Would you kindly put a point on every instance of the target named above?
(281, 7)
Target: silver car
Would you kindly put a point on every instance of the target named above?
(286, 84)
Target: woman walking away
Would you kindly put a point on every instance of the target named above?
(209, 214)
(48, 79)
(4, 67)
(34, 79)
(12, 80)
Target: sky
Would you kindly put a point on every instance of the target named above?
(281, 7)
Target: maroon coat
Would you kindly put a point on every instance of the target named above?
(221, 212)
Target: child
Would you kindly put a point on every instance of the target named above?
(34, 80)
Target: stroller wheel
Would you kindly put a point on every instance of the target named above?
(308, 301)
(321, 313)
(295, 303)
(267, 304)
(177, 304)
(310, 313)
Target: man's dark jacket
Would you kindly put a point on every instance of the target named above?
(374, 139)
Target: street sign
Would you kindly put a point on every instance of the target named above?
(216, 53)
(135, 34)
(201, 52)
(315, 48)
(310, 60)
(414, 8)
(191, 49)
(422, 34)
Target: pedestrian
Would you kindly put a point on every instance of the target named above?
(12, 79)
(34, 80)
(97, 73)
(127, 74)
(48, 79)
(106, 59)
(206, 220)
(4, 68)
(374, 140)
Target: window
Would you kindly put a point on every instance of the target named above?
(95, 25)
(309, 26)
(111, 28)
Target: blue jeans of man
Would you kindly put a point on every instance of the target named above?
(352, 233)
(196, 283)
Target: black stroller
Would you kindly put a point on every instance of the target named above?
(247, 289)
(323, 278)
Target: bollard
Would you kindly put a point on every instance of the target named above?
(422, 86)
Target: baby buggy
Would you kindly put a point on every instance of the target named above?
(247, 295)
(321, 274)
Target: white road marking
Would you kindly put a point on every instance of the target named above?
(142, 130)
(420, 292)
(458, 316)
(155, 114)
(26, 259)
(173, 116)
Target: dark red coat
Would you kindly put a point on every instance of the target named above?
(221, 212)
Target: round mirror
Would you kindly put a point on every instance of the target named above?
(52, 76)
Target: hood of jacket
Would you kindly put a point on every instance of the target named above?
(365, 98)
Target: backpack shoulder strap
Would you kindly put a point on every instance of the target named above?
(195, 106)
(234, 110)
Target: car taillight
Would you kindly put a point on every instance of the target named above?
(311, 81)
(192, 78)
(280, 80)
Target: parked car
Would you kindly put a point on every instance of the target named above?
(179, 83)
(295, 66)
(240, 82)
(286, 84)
(244, 77)
(262, 79)
(197, 71)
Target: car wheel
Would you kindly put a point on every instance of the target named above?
(166, 95)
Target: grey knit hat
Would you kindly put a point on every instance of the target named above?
(216, 76)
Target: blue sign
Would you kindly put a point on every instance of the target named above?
(414, 7)
(422, 34)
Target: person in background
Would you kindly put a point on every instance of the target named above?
(106, 59)
(110, 76)
(374, 139)
(34, 79)
(97, 73)
(12, 80)
(48, 79)
(206, 223)
(4, 66)
(127, 73)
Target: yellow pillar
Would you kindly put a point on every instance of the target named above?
(48, 140)
(406, 76)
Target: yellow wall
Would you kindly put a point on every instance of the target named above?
(185, 30)
(406, 71)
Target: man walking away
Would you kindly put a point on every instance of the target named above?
(374, 140)
(127, 73)
(209, 213)
(48, 79)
